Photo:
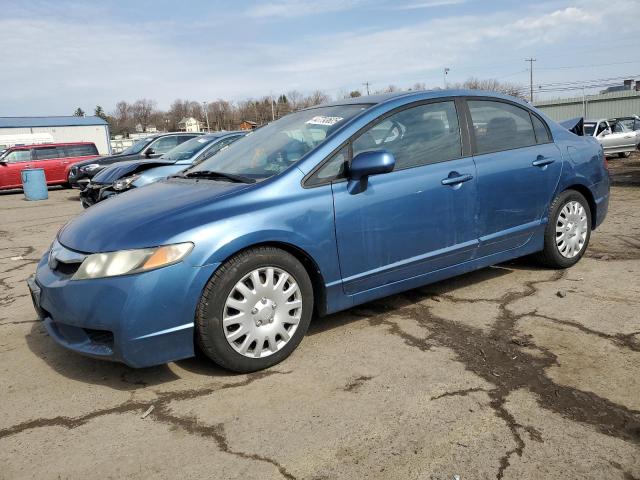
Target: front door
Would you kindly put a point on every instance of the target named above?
(518, 171)
(418, 218)
(15, 162)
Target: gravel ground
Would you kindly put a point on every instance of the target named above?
(509, 372)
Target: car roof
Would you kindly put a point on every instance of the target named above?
(224, 133)
(421, 95)
(66, 144)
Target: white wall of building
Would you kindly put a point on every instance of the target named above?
(98, 134)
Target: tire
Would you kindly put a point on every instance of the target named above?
(562, 212)
(624, 154)
(261, 311)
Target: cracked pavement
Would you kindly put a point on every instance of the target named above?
(510, 372)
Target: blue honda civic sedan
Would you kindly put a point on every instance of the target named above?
(324, 209)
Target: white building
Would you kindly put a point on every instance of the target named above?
(28, 130)
(189, 125)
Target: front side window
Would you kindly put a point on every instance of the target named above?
(17, 156)
(275, 147)
(137, 146)
(500, 126)
(602, 127)
(46, 153)
(415, 136)
(164, 144)
(617, 127)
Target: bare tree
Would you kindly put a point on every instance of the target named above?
(142, 110)
(493, 85)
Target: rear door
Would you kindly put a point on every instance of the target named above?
(16, 161)
(518, 171)
(416, 219)
(49, 158)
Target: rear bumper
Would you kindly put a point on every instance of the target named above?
(142, 319)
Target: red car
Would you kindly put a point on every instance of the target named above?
(56, 160)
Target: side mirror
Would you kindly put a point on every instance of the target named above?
(149, 152)
(371, 163)
(604, 133)
(3, 162)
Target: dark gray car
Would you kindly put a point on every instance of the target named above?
(152, 146)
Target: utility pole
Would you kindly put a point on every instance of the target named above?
(444, 77)
(366, 84)
(273, 115)
(206, 114)
(530, 60)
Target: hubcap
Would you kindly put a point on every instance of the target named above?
(571, 229)
(262, 312)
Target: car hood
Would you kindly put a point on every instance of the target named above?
(121, 169)
(158, 214)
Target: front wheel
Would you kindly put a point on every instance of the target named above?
(255, 310)
(568, 231)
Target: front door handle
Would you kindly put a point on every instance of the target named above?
(455, 178)
(542, 161)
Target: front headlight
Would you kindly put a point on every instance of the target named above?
(111, 264)
(124, 183)
(91, 167)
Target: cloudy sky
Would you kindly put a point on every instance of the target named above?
(61, 54)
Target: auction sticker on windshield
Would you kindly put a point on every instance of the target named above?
(326, 121)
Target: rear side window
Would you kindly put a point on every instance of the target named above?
(18, 156)
(500, 126)
(45, 153)
(416, 136)
(542, 134)
(80, 150)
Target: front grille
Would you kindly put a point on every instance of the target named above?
(100, 337)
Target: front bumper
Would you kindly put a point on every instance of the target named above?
(142, 319)
(94, 193)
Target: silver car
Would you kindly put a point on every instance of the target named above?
(614, 137)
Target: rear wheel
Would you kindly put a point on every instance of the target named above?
(567, 234)
(255, 310)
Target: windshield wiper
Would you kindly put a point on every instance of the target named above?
(212, 174)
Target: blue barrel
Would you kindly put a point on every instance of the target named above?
(34, 184)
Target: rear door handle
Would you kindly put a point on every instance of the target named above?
(455, 179)
(542, 161)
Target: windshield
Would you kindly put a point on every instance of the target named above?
(137, 146)
(275, 147)
(589, 128)
(189, 148)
